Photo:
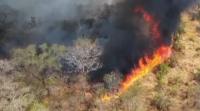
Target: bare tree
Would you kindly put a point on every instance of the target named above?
(83, 57)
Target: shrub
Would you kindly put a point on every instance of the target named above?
(37, 106)
(161, 102)
(177, 39)
(196, 12)
(193, 97)
(134, 100)
(14, 95)
(181, 29)
(197, 75)
(174, 84)
(162, 71)
(173, 61)
(112, 81)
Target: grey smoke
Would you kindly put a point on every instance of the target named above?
(54, 10)
(53, 21)
(50, 14)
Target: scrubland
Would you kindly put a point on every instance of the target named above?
(40, 78)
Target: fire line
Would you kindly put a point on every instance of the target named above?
(147, 63)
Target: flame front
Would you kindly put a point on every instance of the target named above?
(147, 63)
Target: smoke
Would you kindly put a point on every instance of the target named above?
(54, 21)
(130, 36)
(51, 10)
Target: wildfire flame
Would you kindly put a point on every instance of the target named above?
(146, 65)
(148, 62)
(154, 25)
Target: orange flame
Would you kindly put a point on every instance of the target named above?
(146, 65)
(154, 25)
(148, 62)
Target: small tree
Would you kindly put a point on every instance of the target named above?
(83, 57)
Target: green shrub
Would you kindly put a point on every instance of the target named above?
(37, 106)
(162, 71)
